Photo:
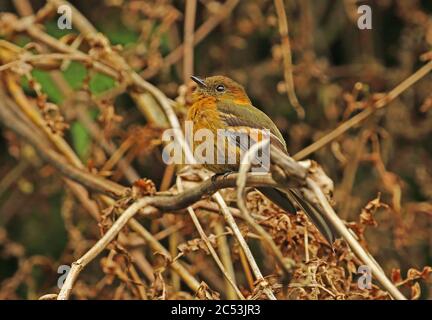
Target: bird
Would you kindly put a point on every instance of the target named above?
(220, 103)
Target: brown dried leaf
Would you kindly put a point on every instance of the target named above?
(366, 216)
(158, 287)
(415, 291)
(143, 187)
(167, 259)
(414, 274)
(195, 245)
(205, 293)
(396, 276)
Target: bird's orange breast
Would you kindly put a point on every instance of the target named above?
(204, 114)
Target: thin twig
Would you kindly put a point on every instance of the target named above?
(22, 101)
(209, 245)
(381, 103)
(189, 25)
(319, 198)
(353, 243)
(23, 7)
(102, 243)
(245, 166)
(203, 30)
(287, 58)
(225, 254)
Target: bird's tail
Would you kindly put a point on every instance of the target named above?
(292, 200)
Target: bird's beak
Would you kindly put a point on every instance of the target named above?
(199, 81)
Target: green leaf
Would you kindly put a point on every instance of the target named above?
(100, 83)
(81, 140)
(75, 74)
(48, 85)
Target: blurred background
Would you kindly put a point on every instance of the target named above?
(381, 168)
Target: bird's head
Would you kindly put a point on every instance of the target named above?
(220, 87)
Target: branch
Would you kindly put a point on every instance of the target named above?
(103, 242)
(381, 103)
(209, 246)
(189, 25)
(317, 197)
(285, 263)
(91, 181)
(202, 31)
(287, 58)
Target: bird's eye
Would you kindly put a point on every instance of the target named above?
(220, 88)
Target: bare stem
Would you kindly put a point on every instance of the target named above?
(383, 102)
(287, 58)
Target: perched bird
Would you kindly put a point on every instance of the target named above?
(220, 103)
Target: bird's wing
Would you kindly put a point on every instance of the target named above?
(247, 116)
(239, 140)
